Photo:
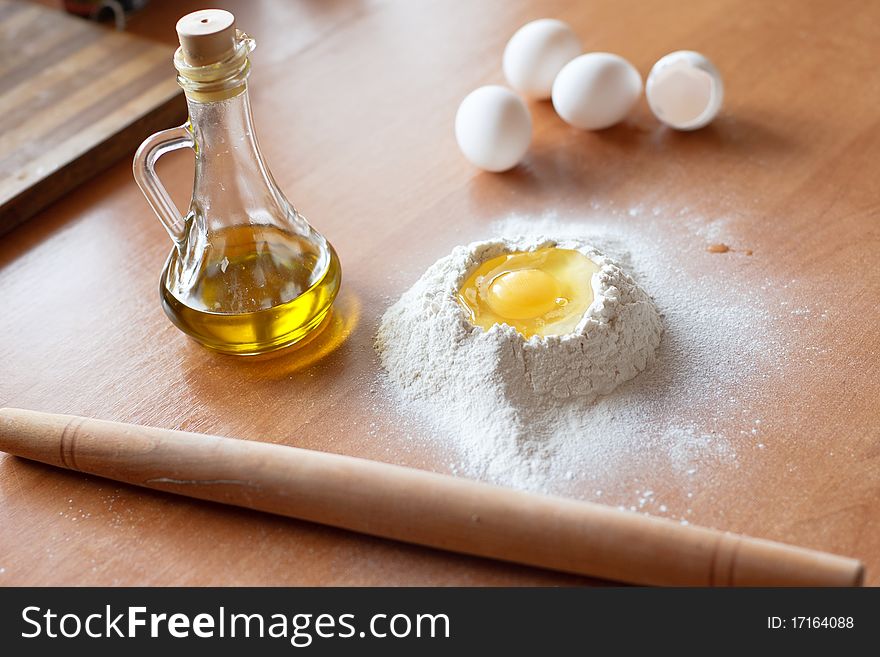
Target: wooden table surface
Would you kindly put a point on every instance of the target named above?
(354, 103)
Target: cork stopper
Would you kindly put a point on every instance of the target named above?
(206, 36)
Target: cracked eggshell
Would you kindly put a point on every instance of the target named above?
(685, 90)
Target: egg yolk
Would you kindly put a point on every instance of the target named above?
(543, 292)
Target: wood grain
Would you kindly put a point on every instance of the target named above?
(416, 506)
(354, 103)
(74, 98)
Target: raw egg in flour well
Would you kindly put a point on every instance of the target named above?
(542, 292)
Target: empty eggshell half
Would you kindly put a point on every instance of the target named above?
(536, 53)
(596, 90)
(493, 128)
(684, 90)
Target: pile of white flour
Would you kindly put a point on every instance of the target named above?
(503, 396)
(671, 439)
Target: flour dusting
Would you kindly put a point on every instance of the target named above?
(563, 425)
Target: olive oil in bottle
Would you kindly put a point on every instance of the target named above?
(247, 273)
(257, 289)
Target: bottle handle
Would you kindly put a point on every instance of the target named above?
(144, 169)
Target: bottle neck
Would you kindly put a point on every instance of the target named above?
(225, 139)
(233, 185)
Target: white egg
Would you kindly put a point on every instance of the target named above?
(536, 53)
(596, 90)
(684, 90)
(493, 128)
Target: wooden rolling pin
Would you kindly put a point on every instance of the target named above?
(419, 507)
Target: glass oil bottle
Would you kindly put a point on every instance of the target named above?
(247, 273)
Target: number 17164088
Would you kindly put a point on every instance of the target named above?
(810, 622)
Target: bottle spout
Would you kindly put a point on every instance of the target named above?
(212, 61)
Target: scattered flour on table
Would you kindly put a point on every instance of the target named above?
(529, 413)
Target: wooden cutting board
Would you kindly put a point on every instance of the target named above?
(74, 98)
